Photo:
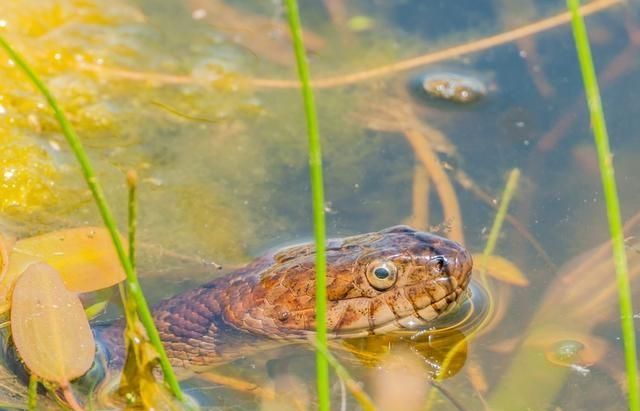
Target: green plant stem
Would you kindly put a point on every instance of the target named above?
(317, 196)
(32, 402)
(132, 184)
(610, 191)
(507, 194)
(133, 286)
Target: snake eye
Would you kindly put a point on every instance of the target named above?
(382, 275)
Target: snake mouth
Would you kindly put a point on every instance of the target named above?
(414, 319)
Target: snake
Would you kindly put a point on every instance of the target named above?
(376, 283)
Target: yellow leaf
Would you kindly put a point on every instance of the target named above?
(501, 269)
(6, 244)
(85, 257)
(49, 327)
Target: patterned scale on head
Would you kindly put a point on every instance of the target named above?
(376, 282)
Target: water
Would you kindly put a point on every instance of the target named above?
(176, 90)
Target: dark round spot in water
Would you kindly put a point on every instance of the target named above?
(438, 87)
(568, 350)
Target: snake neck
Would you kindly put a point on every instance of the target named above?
(193, 331)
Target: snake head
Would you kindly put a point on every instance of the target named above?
(404, 279)
(376, 283)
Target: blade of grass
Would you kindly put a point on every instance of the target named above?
(610, 191)
(317, 196)
(32, 401)
(133, 286)
(132, 183)
(507, 194)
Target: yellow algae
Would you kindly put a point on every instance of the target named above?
(217, 190)
(37, 18)
(27, 179)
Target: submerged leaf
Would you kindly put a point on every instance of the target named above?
(501, 269)
(17, 264)
(49, 327)
(6, 244)
(566, 347)
(85, 257)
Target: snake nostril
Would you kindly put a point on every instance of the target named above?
(283, 316)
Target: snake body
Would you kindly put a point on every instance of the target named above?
(376, 283)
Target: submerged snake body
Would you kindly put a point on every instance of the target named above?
(376, 283)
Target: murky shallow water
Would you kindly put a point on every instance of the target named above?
(179, 92)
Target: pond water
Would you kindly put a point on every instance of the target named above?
(200, 98)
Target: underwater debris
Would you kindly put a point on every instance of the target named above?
(449, 86)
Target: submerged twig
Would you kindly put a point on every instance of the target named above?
(441, 181)
(238, 385)
(448, 396)
(420, 198)
(424, 141)
(446, 54)
(404, 65)
(183, 115)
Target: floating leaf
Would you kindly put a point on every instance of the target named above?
(17, 264)
(85, 257)
(501, 269)
(566, 347)
(6, 245)
(49, 327)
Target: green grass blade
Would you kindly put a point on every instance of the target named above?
(133, 285)
(610, 190)
(507, 194)
(317, 196)
(132, 184)
(32, 399)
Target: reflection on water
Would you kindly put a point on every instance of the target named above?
(232, 186)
